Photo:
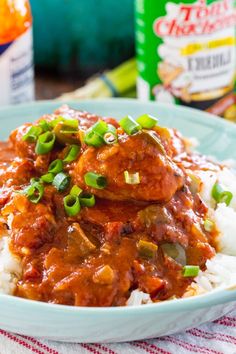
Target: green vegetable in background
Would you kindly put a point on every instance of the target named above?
(120, 81)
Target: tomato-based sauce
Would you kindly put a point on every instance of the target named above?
(127, 240)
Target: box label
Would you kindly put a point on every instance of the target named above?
(186, 52)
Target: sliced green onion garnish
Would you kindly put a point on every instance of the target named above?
(76, 190)
(34, 192)
(190, 271)
(216, 192)
(55, 166)
(28, 191)
(61, 181)
(146, 121)
(110, 138)
(72, 123)
(35, 180)
(38, 193)
(65, 135)
(45, 143)
(220, 195)
(72, 153)
(208, 225)
(32, 134)
(95, 181)
(68, 131)
(111, 128)
(48, 177)
(129, 125)
(44, 125)
(71, 205)
(70, 126)
(93, 139)
(87, 199)
(100, 128)
(55, 121)
(131, 178)
(226, 197)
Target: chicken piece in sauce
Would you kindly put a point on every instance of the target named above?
(159, 176)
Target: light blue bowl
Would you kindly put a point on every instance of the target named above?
(64, 323)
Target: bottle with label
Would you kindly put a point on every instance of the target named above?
(186, 53)
(16, 54)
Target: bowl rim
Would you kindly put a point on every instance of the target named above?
(215, 297)
(198, 114)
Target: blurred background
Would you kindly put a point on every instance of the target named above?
(85, 49)
(69, 36)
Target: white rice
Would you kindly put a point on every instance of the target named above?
(208, 179)
(224, 216)
(10, 268)
(225, 177)
(138, 297)
(225, 219)
(220, 272)
(221, 269)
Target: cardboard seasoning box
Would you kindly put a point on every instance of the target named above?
(186, 53)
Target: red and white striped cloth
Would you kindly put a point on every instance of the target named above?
(218, 337)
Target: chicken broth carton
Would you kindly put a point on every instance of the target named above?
(186, 53)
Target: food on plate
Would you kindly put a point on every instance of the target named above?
(96, 212)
